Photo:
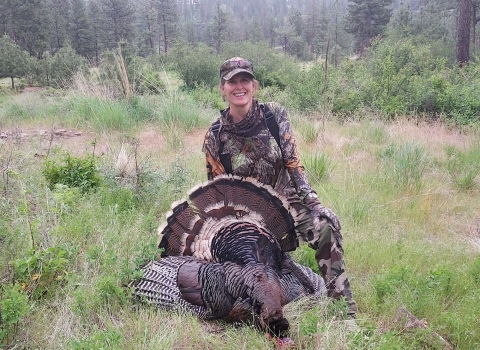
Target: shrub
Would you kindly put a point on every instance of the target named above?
(14, 305)
(73, 172)
(197, 66)
(39, 271)
(64, 65)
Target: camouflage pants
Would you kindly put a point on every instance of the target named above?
(328, 244)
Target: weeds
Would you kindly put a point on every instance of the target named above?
(463, 167)
(14, 305)
(40, 271)
(309, 131)
(73, 172)
(318, 165)
(405, 164)
(180, 112)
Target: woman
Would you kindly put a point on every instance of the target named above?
(246, 141)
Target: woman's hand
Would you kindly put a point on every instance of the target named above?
(320, 213)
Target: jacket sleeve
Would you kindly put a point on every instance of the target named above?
(291, 156)
(213, 163)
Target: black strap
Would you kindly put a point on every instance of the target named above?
(271, 125)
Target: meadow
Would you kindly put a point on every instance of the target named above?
(86, 180)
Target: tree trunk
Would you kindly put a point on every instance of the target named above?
(13, 84)
(464, 25)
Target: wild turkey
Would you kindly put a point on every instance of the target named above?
(223, 255)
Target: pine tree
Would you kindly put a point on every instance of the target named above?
(146, 27)
(80, 32)
(465, 8)
(218, 27)
(167, 22)
(116, 23)
(366, 19)
(58, 11)
(13, 60)
(29, 25)
(94, 17)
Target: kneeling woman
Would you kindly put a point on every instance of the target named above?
(253, 139)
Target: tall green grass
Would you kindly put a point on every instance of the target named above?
(405, 164)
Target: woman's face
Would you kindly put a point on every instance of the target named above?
(238, 91)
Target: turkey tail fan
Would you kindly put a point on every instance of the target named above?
(224, 200)
(172, 235)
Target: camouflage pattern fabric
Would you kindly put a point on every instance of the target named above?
(255, 153)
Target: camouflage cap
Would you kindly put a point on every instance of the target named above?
(234, 66)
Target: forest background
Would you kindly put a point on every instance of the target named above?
(385, 90)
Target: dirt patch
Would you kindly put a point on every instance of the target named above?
(33, 89)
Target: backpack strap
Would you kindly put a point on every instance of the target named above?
(224, 158)
(272, 126)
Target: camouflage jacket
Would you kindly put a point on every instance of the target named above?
(254, 152)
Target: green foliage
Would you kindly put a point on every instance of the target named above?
(306, 256)
(63, 67)
(14, 305)
(197, 66)
(208, 97)
(13, 60)
(463, 166)
(309, 322)
(142, 73)
(101, 112)
(40, 271)
(309, 131)
(406, 164)
(307, 88)
(318, 165)
(475, 270)
(109, 292)
(65, 198)
(109, 338)
(73, 172)
(389, 281)
(180, 112)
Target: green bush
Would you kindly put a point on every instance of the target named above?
(40, 271)
(271, 68)
(197, 66)
(14, 305)
(73, 172)
(64, 65)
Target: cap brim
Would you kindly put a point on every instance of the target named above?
(230, 75)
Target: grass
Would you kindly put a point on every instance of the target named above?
(409, 221)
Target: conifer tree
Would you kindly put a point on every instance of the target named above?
(58, 11)
(80, 32)
(167, 22)
(218, 27)
(13, 60)
(94, 18)
(29, 25)
(366, 19)
(116, 22)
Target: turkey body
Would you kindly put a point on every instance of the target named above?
(229, 262)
